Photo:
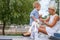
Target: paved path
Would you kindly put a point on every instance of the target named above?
(15, 37)
(19, 38)
(14, 30)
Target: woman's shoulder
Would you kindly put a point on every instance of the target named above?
(56, 15)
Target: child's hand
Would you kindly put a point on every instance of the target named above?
(35, 20)
(40, 16)
(38, 21)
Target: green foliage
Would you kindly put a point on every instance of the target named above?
(15, 11)
(4, 10)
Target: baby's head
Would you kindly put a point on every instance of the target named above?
(37, 5)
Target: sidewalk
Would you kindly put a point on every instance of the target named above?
(14, 37)
(19, 38)
(19, 31)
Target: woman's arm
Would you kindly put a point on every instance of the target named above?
(53, 22)
(59, 17)
(47, 19)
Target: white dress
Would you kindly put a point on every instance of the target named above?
(52, 30)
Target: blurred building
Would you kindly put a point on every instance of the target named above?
(45, 4)
(44, 7)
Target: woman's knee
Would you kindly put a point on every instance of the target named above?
(43, 30)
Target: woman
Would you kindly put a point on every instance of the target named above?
(51, 23)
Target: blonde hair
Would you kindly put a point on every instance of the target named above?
(34, 4)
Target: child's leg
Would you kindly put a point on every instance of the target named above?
(34, 31)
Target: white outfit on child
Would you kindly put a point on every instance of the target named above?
(38, 23)
(52, 30)
(34, 29)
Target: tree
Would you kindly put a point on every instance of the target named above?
(4, 12)
(15, 11)
(20, 11)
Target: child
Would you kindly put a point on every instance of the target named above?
(34, 15)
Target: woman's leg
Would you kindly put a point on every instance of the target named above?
(42, 29)
(26, 34)
(29, 31)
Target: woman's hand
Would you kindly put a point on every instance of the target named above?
(41, 20)
(45, 22)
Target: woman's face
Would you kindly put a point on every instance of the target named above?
(51, 11)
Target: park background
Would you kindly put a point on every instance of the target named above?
(17, 12)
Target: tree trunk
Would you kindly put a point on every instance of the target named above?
(3, 28)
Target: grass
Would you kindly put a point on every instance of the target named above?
(13, 35)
